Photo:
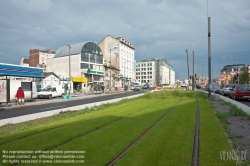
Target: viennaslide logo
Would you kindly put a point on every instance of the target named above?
(233, 155)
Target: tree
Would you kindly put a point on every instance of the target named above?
(116, 76)
(244, 76)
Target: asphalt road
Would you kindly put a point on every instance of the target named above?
(245, 102)
(40, 105)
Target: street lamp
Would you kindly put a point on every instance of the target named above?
(227, 59)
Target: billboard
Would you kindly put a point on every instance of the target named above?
(3, 91)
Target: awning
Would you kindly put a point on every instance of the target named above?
(20, 71)
(95, 72)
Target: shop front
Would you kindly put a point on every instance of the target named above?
(95, 79)
(79, 83)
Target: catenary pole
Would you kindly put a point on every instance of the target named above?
(193, 78)
(187, 66)
(209, 55)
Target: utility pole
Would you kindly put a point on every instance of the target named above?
(69, 71)
(193, 78)
(187, 66)
(209, 55)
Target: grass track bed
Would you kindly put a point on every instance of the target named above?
(103, 145)
(54, 137)
(106, 131)
(169, 143)
(212, 137)
(73, 120)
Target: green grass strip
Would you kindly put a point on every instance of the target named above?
(103, 145)
(169, 143)
(72, 120)
(212, 137)
(57, 136)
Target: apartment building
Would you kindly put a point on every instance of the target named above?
(38, 58)
(120, 53)
(155, 71)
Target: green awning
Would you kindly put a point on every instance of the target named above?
(91, 71)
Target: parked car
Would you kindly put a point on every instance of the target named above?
(198, 86)
(240, 92)
(145, 86)
(137, 88)
(224, 90)
(214, 87)
(132, 86)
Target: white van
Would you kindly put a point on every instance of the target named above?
(50, 92)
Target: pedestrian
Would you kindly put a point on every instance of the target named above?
(66, 89)
(20, 96)
(102, 88)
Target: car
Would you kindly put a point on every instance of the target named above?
(132, 86)
(145, 86)
(224, 90)
(213, 87)
(137, 88)
(183, 85)
(198, 86)
(240, 92)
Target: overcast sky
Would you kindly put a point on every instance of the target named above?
(157, 28)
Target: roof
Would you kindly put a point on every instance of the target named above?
(64, 51)
(21, 71)
(46, 74)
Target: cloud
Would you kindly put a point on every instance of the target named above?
(157, 28)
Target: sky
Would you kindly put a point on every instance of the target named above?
(157, 28)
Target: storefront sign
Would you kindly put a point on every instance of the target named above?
(79, 79)
(90, 71)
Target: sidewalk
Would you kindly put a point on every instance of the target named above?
(75, 96)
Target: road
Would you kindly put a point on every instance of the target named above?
(42, 106)
(245, 102)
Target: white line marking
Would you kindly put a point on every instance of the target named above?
(53, 107)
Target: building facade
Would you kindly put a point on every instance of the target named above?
(38, 58)
(229, 71)
(120, 53)
(81, 63)
(155, 71)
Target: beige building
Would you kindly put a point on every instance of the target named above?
(121, 53)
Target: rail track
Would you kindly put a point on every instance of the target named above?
(118, 157)
(195, 154)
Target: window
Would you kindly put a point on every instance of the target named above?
(84, 66)
(92, 58)
(91, 52)
(85, 57)
(99, 59)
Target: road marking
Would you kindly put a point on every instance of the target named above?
(53, 107)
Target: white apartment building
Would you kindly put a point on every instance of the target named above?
(121, 53)
(155, 71)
